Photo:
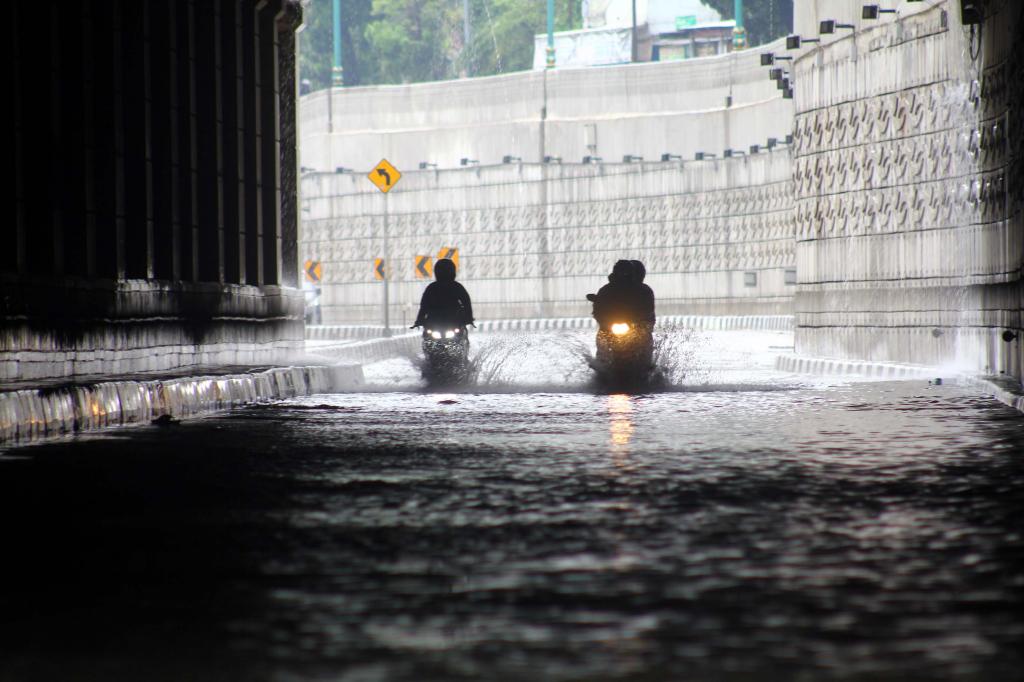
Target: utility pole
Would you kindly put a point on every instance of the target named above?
(551, 35)
(739, 34)
(337, 73)
(633, 47)
(466, 35)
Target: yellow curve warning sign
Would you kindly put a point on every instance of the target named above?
(314, 271)
(424, 267)
(384, 176)
(449, 252)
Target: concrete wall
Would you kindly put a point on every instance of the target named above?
(907, 174)
(534, 239)
(155, 192)
(678, 107)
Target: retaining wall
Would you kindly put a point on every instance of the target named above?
(906, 168)
(533, 239)
(677, 107)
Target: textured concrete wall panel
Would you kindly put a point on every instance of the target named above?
(534, 239)
(906, 182)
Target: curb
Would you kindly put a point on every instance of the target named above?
(32, 414)
(1010, 397)
(331, 332)
(999, 389)
(702, 322)
(799, 365)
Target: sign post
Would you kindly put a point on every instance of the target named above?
(384, 176)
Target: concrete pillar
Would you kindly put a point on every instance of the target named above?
(136, 143)
(161, 38)
(69, 171)
(270, 11)
(104, 50)
(210, 137)
(37, 132)
(56, 150)
(234, 159)
(185, 160)
(12, 258)
(287, 25)
(251, 122)
(117, 128)
(88, 151)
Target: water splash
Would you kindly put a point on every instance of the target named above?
(566, 358)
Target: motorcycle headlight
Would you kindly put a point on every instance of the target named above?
(620, 328)
(435, 334)
(449, 334)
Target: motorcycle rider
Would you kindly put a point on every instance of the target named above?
(445, 302)
(618, 300)
(645, 294)
(625, 299)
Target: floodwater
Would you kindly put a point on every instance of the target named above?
(741, 524)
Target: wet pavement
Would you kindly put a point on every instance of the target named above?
(740, 524)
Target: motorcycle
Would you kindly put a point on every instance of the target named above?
(445, 353)
(625, 352)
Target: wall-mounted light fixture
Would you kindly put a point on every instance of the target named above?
(787, 92)
(729, 153)
(671, 157)
(774, 142)
(873, 11)
(306, 169)
(342, 169)
(829, 26)
(700, 156)
(755, 149)
(467, 162)
(592, 159)
(552, 159)
(510, 159)
(794, 42)
(782, 83)
(769, 58)
(424, 165)
(630, 158)
(775, 74)
(970, 12)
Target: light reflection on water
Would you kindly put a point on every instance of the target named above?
(620, 411)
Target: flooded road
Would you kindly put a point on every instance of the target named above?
(741, 524)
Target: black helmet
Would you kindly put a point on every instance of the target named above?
(444, 270)
(622, 272)
(639, 271)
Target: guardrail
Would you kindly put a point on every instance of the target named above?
(702, 322)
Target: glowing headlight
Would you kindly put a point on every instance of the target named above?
(449, 334)
(435, 335)
(620, 328)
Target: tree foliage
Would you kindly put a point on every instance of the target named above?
(410, 41)
(316, 44)
(765, 20)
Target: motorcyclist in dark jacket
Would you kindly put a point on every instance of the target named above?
(445, 301)
(645, 294)
(617, 300)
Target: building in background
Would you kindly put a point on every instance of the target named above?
(665, 30)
